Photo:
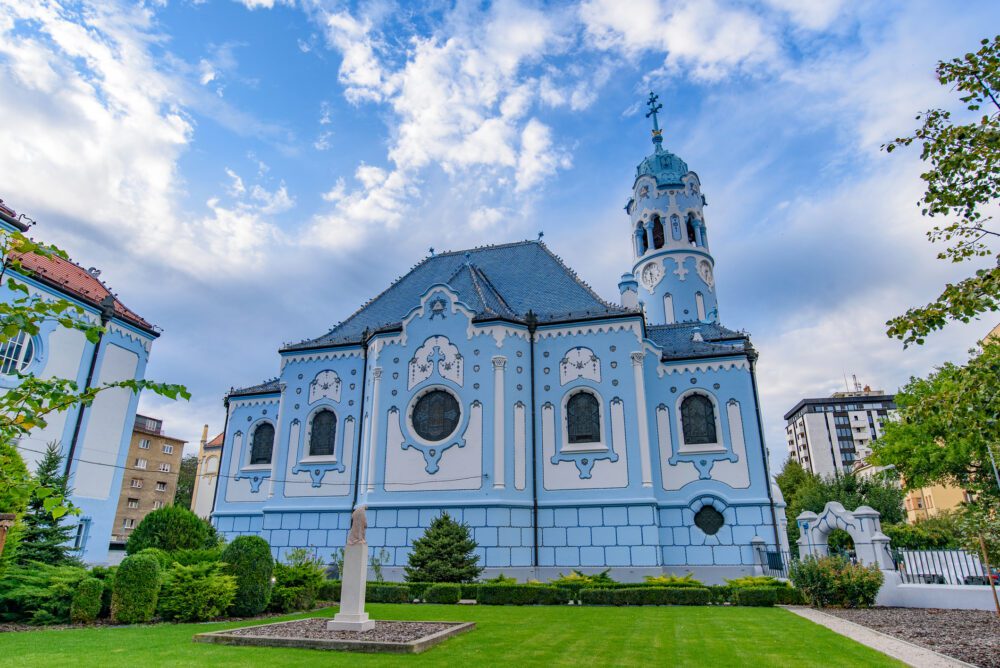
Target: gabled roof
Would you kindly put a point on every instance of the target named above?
(218, 441)
(681, 340)
(495, 282)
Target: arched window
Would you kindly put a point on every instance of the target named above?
(263, 444)
(698, 418)
(323, 434)
(643, 240)
(699, 302)
(675, 227)
(692, 235)
(583, 418)
(668, 308)
(16, 354)
(657, 232)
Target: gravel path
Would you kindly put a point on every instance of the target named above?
(972, 636)
(316, 629)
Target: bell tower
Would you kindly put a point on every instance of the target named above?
(673, 265)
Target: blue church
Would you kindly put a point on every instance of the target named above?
(493, 384)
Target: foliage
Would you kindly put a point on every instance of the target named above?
(45, 538)
(963, 180)
(759, 597)
(835, 581)
(136, 589)
(376, 562)
(522, 595)
(171, 528)
(161, 556)
(330, 590)
(756, 581)
(297, 582)
(388, 593)
(186, 475)
(449, 593)
(721, 594)
(197, 556)
(15, 481)
(981, 519)
(196, 593)
(445, 553)
(86, 606)
(674, 580)
(501, 579)
(646, 596)
(39, 593)
(920, 537)
(105, 574)
(248, 558)
(337, 561)
(806, 491)
(946, 423)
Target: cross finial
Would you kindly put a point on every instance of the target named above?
(654, 107)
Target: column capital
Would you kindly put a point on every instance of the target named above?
(499, 362)
(377, 372)
(637, 358)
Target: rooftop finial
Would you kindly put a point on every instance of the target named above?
(653, 108)
(540, 235)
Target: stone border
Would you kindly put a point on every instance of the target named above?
(897, 648)
(368, 646)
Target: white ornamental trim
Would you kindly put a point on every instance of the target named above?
(699, 367)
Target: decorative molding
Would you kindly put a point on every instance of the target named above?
(247, 402)
(499, 362)
(498, 332)
(637, 358)
(681, 271)
(436, 354)
(704, 268)
(701, 367)
(130, 335)
(599, 327)
(432, 452)
(325, 356)
(579, 362)
(651, 274)
(255, 478)
(326, 385)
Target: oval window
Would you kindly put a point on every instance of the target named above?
(16, 354)
(436, 415)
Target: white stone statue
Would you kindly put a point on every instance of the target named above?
(352, 615)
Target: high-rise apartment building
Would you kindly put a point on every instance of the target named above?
(150, 479)
(833, 434)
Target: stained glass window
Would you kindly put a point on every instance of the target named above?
(709, 520)
(698, 418)
(436, 415)
(16, 354)
(263, 444)
(323, 434)
(583, 418)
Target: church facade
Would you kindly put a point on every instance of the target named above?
(493, 384)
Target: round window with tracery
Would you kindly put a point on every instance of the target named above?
(16, 354)
(435, 415)
(709, 520)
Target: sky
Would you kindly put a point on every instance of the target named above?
(248, 173)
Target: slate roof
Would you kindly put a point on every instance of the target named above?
(679, 342)
(503, 281)
(260, 388)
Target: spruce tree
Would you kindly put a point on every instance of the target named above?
(444, 554)
(45, 538)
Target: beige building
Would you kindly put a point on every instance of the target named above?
(207, 477)
(925, 502)
(150, 480)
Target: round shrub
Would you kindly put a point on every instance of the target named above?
(162, 557)
(171, 528)
(136, 589)
(248, 558)
(196, 593)
(834, 581)
(86, 604)
(443, 593)
(760, 597)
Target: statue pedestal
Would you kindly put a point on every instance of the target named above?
(352, 615)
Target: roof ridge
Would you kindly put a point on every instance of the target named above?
(492, 288)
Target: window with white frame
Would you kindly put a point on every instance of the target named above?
(141, 463)
(128, 522)
(161, 487)
(137, 483)
(16, 354)
(700, 427)
(144, 444)
(133, 503)
(157, 505)
(168, 449)
(164, 467)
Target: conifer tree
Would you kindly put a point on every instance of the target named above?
(444, 553)
(45, 538)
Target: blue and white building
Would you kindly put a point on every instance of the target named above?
(94, 439)
(492, 383)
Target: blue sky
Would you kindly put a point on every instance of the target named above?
(248, 173)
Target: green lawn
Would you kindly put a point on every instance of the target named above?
(518, 636)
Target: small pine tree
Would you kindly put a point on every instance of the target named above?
(444, 554)
(45, 538)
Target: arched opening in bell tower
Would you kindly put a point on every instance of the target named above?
(658, 239)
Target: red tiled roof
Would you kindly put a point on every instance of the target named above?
(77, 282)
(216, 442)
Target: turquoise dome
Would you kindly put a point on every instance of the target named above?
(663, 166)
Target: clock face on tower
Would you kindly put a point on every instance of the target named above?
(651, 275)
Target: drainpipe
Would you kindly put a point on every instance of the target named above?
(752, 358)
(107, 312)
(222, 452)
(361, 420)
(532, 326)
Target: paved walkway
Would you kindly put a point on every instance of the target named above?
(907, 652)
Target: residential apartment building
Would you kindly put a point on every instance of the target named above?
(925, 502)
(833, 435)
(150, 480)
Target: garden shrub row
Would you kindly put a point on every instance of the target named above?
(443, 593)
(755, 596)
(646, 596)
(388, 593)
(835, 581)
(528, 594)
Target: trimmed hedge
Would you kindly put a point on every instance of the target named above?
(86, 604)
(171, 528)
(197, 556)
(522, 595)
(789, 596)
(136, 589)
(248, 558)
(646, 596)
(196, 593)
(721, 594)
(760, 597)
(388, 593)
(470, 590)
(330, 590)
(449, 593)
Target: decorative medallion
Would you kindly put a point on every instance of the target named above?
(651, 274)
(705, 271)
